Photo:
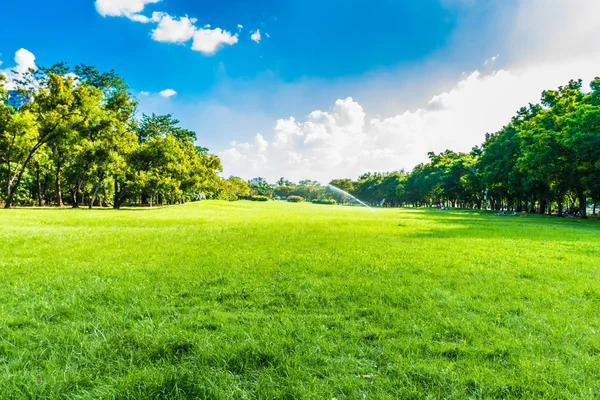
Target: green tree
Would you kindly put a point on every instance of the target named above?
(58, 108)
(235, 188)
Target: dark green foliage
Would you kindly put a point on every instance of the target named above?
(546, 160)
(324, 201)
(77, 142)
(295, 199)
(259, 198)
(80, 144)
(234, 188)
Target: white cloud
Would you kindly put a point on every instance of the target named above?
(156, 17)
(260, 143)
(267, 35)
(256, 36)
(209, 41)
(24, 60)
(144, 93)
(168, 93)
(491, 60)
(240, 26)
(140, 18)
(343, 142)
(120, 8)
(574, 28)
(173, 30)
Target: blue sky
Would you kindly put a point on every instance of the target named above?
(328, 88)
(325, 39)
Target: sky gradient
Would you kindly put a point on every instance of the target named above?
(318, 89)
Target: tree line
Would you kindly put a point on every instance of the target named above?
(76, 141)
(545, 160)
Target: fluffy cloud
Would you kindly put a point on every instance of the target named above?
(156, 17)
(168, 93)
(344, 142)
(174, 30)
(24, 60)
(119, 8)
(325, 141)
(348, 140)
(208, 41)
(256, 36)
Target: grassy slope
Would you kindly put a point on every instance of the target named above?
(277, 300)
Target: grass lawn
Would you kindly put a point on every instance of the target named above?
(246, 300)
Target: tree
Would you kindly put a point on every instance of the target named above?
(583, 140)
(343, 184)
(58, 108)
(234, 188)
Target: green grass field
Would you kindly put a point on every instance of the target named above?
(242, 300)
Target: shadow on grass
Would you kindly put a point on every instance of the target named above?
(480, 225)
(83, 209)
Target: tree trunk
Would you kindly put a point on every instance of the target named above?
(93, 198)
(542, 206)
(560, 207)
(76, 194)
(39, 187)
(119, 195)
(9, 196)
(117, 198)
(13, 184)
(582, 204)
(116, 195)
(59, 197)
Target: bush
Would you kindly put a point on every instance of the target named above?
(295, 199)
(331, 202)
(259, 198)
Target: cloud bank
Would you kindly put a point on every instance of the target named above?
(348, 139)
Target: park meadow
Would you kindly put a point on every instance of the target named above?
(279, 300)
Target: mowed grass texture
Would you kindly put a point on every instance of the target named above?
(241, 300)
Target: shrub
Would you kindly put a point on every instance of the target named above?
(295, 199)
(259, 198)
(325, 201)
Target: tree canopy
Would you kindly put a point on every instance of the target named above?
(78, 134)
(78, 140)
